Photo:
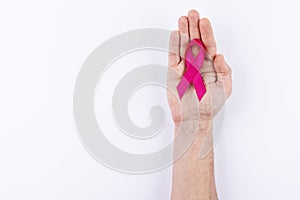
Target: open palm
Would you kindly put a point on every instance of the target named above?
(215, 72)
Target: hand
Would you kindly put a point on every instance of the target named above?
(215, 72)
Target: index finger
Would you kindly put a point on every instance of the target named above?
(207, 37)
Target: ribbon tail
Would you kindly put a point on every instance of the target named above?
(182, 87)
(199, 86)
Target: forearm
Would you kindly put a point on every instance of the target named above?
(193, 177)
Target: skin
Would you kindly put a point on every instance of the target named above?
(193, 176)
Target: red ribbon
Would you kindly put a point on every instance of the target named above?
(192, 74)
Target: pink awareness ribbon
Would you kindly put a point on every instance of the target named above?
(192, 74)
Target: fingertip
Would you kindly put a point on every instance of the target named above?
(183, 25)
(205, 20)
(205, 24)
(174, 40)
(220, 65)
(174, 35)
(182, 20)
(219, 58)
(193, 14)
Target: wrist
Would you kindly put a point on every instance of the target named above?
(203, 127)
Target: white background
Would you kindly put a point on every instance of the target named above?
(42, 47)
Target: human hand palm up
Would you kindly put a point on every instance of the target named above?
(215, 72)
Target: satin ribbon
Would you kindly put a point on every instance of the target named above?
(192, 74)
